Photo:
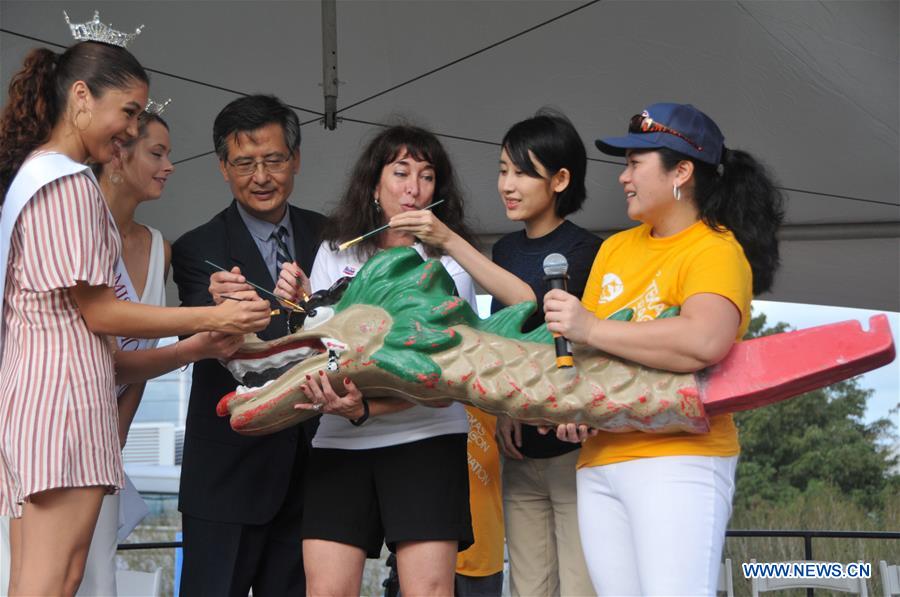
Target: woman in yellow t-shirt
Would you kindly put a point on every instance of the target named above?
(653, 508)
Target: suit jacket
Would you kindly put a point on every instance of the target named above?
(227, 477)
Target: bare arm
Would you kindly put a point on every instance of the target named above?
(386, 405)
(509, 437)
(105, 314)
(167, 259)
(505, 286)
(700, 336)
(134, 366)
(128, 405)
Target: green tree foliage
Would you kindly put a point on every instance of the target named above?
(819, 438)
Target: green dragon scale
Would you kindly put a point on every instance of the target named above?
(399, 331)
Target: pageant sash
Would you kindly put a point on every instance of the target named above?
(35, 173)
(125, 291)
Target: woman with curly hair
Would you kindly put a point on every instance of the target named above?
(381, 469)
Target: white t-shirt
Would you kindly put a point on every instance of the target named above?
(412, 424)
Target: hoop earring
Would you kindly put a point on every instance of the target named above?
(677, 192)
(79, 113)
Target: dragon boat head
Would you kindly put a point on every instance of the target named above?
(377, 328)
(397, 329)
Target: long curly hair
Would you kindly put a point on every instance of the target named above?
(39, 92)
(356, 212)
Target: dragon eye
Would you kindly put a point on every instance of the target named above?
(317, 317)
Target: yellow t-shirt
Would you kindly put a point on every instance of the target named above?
(485, 556)
(634, 270)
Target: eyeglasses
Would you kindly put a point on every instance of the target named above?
(272, 165)
(642, 123)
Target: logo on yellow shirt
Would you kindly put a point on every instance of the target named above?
(648, 305)
(477, 445)
(611, 288)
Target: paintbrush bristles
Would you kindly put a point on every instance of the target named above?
(358, 239)
(350, 243)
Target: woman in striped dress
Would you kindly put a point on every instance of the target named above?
(59, 447)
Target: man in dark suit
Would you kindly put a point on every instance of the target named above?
(240, 497)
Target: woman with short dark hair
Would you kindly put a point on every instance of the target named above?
(540, 182)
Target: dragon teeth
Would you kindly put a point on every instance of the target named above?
(244, 389)
(334, 344)
(239, 368)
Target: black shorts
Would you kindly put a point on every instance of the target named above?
(410, 492)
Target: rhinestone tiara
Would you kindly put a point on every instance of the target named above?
(156, 107)
(94, 30)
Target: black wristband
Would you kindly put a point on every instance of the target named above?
(363, 417)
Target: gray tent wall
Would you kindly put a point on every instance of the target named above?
(810, 87)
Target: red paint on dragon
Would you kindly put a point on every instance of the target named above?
(382, 326)
(429, 381)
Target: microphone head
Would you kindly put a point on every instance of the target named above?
(555, 265)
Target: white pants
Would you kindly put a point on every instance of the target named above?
(655, 526)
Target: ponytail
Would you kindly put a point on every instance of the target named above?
(30, 113)
(742, 198)
(747, 202)
(38, 94)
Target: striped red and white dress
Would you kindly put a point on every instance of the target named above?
(58, 417)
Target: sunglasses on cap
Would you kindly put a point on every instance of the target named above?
(642, 124)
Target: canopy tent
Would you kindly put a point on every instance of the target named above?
(810, 87)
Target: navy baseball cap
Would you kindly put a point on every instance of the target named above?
(680, 127)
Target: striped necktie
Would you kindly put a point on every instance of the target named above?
(282, 253)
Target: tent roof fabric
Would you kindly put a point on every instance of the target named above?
(809, 87)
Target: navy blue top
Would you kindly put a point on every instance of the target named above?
(524, 257)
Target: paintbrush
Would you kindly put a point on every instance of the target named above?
(293, 306)
(359, 239)
(272, 313)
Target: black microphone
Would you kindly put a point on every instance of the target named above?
(555, 274)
